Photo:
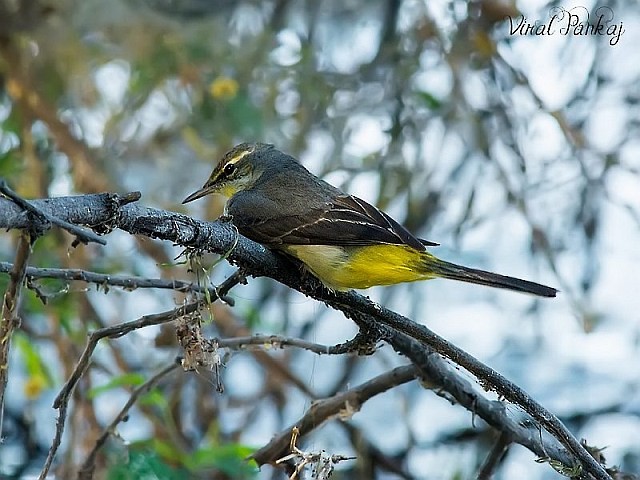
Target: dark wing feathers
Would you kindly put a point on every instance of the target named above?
(369, 222)
(346, 220)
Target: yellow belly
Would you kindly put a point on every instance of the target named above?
(343, 268)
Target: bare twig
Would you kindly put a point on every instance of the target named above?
(274, 341)
(496, 454)
(322, 462)
(61, 402)
(102, 279)
(200, 352)
(9, 320)
(88, 466)
(277, 370)
(342, 405)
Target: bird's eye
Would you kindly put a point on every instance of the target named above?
(229, 169)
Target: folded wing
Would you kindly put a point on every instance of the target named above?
(345, 221)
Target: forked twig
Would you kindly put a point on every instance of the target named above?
(62, 400)
(322, 463)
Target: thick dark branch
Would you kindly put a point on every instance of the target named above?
(256, 260)
(81, 235)
(98, 211)
(441, 375)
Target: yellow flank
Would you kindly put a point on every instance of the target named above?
(344, 268)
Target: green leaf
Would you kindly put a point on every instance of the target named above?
(10, 164)
(429, 100)
(145, 464)
(168, 451)
(230, 459)
(154, 398)
(245, 117)
(33, 362)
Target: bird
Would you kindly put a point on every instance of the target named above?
(341, 239)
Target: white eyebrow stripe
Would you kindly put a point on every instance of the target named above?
(239, 157)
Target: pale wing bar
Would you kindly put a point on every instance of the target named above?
(350, 221)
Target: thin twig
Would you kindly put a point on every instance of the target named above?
(61, 402)
(274, 341)
(277, 370)
(343, 405)
(496, 454)
(103, 279)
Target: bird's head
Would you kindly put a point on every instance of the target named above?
(238, 170)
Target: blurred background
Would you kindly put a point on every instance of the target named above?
(517, 153)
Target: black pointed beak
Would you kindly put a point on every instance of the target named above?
(206, 190)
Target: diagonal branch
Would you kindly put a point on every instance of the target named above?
(254, 259)
(342, 405)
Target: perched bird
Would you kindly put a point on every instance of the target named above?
(343, 240)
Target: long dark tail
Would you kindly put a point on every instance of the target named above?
(440, 268)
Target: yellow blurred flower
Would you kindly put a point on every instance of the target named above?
(223, 88)
(34, 386)
(484, 44)
(14, 88)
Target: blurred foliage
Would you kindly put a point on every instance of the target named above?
(127, 379)
(163, 461)
(38, 373)
(430, 109)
